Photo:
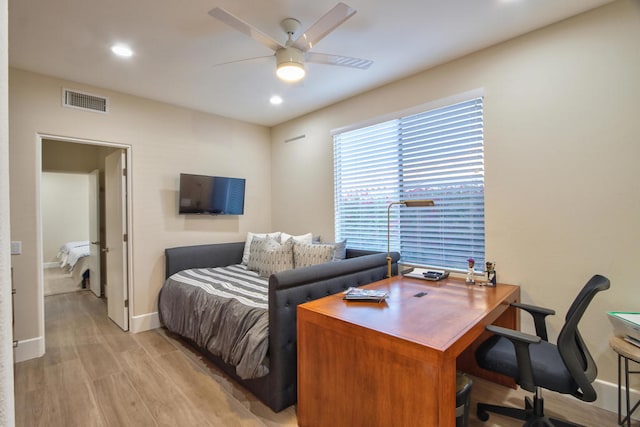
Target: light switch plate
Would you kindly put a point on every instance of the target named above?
(16, 248)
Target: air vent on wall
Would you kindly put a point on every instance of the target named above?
(295, 138)
(84, 101)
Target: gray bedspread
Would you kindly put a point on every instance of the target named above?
(224, 310)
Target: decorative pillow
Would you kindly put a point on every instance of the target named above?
(309, 254)
(303, 238)
(341, 249)
(247, 243)
(269, 256)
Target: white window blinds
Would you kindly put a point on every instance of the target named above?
(437, 155)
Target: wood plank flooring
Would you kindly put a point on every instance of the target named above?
(59, 281)
(93, 374)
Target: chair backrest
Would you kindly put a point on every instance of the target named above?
(571, 346)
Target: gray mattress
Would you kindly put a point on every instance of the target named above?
(224, 310)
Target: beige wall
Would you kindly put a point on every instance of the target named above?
(64, 199)
(165, 140)
(561, 155)
(65, 156)
(7, 414)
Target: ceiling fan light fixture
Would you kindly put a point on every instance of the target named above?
(290, 64)
(290, 72)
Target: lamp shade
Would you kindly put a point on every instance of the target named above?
(417, 203)
(290, 64)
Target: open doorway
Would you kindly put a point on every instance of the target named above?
(84, 188)
(66, 200)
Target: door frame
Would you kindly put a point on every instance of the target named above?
(39, 240)
(94, 233)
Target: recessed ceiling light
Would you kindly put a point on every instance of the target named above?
(275, 100)
(122, 50)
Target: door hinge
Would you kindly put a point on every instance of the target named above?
(125, 237)
(126, 303)
(124, 171)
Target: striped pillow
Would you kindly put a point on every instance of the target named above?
(268, 256)
(247, 244)
(305, 254)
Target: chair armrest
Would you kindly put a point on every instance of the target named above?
(539, 314)
(521, 341)
(523, 337)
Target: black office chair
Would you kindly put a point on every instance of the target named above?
(536, 364)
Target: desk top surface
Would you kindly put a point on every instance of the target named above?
(624, 348)
(438, 319)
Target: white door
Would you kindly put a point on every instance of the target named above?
(94, 231)
(115, 186)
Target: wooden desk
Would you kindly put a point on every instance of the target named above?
(394, 363)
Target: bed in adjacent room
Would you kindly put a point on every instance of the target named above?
(74, 259)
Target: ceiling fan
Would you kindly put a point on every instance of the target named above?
(291, 57)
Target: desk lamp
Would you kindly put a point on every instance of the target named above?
(409, 204)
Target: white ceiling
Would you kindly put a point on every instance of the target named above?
(178, 45)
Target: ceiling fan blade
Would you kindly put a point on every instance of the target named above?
(235, 61)
(244, 28)
(323, 26)
(344, 61)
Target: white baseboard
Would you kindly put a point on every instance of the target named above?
(608, 397)
(28, 349)
(34, 347)
(51, 265)
(145, 322)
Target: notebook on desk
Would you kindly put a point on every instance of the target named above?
(626, 324)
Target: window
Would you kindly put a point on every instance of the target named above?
(437, 155)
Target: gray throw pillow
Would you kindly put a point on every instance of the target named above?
(340, 252)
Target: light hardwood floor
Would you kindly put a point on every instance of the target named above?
(93, 374)
(59, 281)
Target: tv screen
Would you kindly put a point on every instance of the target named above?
(213, 195)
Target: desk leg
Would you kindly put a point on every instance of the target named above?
(447, 393)
(354, 377)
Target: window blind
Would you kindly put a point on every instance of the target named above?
(437, 155)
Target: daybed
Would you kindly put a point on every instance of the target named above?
(286, 289)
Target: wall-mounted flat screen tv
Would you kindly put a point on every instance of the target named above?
(213, 195)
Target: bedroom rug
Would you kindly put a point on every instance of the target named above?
(58, 281)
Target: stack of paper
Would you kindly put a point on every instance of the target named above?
(359, 294)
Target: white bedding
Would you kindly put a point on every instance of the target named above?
(71, 252)
(64, 249)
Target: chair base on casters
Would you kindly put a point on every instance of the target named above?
(533, 413)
